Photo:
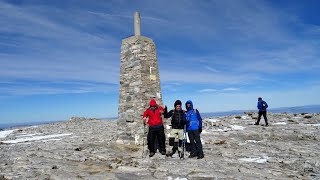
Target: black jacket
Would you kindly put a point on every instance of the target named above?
(176, 118)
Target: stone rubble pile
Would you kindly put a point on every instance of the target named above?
(75, 119)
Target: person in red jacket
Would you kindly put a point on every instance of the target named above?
(156, 129)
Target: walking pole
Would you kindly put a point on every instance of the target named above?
(184, 141)
(144, 132)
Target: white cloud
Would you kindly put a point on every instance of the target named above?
(198, 77)
(231, 89)
(218, 91)
(211, 69)
(207, 90)
(37, 88)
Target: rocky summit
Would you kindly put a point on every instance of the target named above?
(234, 148)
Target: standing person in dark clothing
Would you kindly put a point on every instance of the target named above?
(262, 106)
(156, 129)
(177, 125)
(194, 128)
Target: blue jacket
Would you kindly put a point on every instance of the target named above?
(262, 105)
(192, 118)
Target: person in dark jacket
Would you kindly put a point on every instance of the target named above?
(194, 128)
(262, 106)
(177, 125)
(156, 129)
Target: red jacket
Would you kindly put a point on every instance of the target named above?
(154, 115)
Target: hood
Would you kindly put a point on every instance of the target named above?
(189, 102)
(178, 102)
(153, 102)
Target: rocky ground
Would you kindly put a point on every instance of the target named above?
(234, 149)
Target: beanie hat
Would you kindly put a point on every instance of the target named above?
(178, 102)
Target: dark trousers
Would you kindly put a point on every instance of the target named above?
(195, 141)
(264, 113)
(158, 133)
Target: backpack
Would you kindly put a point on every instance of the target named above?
(263, 105)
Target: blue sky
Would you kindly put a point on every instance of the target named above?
(61, 58)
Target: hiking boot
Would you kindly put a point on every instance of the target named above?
(256, 124)
(170, 154)
(267, 124)
(181, 155)
(192, 155)
(163, 152)
(151, 154)
(200, 156)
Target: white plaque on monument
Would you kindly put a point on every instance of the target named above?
(153, 77)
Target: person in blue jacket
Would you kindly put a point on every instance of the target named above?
(193, 122)
(262, 106)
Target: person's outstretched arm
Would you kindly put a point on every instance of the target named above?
(166, 113)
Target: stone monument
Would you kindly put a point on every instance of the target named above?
(139, 83)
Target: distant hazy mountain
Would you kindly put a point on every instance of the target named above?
(22, 124)
(296, 109)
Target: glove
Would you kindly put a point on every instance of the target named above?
(200, 130)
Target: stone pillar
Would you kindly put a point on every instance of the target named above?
(139, 83)
(137, 29)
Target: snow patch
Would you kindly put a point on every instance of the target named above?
(129, 169)
(205, 132)
(4, 134)
(222, 130)
(296, 117)
(51, 140)
(178, 178)
(252, 141)
(312, 124)
(32, 126)
(256, 160)
(244, 117)
(280, 123)
(36, 138)
(28, 135)
(212, 120)
(236, 127)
